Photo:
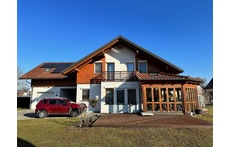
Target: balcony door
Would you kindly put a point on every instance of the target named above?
(110, 69)
(130, 70)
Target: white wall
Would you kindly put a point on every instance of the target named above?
(120, 57)
(38, 93)
(119, 108)
(95, 90)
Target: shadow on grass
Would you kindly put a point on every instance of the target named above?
(23, 143)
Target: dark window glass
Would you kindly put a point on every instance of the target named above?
(156, 94)
(45, 101)
(52, 102)
(85, 94)
(98, 68)
(142, 67)
(60, 102)
(149, 94)
(109, 96)
(132, 97)
(130, 67)
(120, 97)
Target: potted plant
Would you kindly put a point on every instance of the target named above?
(93, 102)
(198, 110)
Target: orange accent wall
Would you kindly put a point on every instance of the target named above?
(86, 73)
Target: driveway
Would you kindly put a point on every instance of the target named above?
(30, 114)
(26, 114)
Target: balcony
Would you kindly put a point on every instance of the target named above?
(118, 76)
(114, 76)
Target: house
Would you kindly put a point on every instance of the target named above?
(201, 97)
(23, 98)
(209, 91)
(124, 77)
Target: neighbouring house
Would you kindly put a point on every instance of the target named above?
(23, 98)
(124, 77)
(201, 97)
(209, 91)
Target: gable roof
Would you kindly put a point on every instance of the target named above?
(210, 84)
(48, 70)
(105, 48)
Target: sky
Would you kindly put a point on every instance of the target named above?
(179, 31)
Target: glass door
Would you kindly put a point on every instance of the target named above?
(110, 69)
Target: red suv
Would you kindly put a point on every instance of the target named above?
(58, 106)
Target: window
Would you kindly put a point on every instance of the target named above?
(109, 96)
(120, 96)
(98, 68)
(61, 102)
(178, 95)
(156, 94)
(110, 69)
(130, 66)
(163, 95)
(171, 94)
(143, 66)
(149, 94)
(132, 97)
(52, 102)
(45, 101)
(85, 94)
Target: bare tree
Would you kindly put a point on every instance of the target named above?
(21, 84)
(204, 82)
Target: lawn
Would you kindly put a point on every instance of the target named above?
(207, 117)
(62, 132)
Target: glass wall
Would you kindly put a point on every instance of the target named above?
(169, 98)
(163, 98)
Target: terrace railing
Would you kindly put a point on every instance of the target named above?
(118, 76)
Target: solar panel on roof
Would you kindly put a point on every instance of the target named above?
(61, 66)
(49, 65)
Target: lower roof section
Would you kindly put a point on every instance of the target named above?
(149, 77)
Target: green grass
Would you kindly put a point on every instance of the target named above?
(207, 117)
(61, 132)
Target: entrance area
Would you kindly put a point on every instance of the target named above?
(68, 93)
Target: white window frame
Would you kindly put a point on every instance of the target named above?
(128, 62)
(82, 94)
(95, 67)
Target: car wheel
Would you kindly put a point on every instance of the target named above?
(74, 113)
(42, 114)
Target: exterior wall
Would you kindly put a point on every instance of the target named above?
(153, 66)
(95, 90)
(38, 93)
(210, 96)
(53, 82)
(120, 57)
(105, 108)
(86, 73)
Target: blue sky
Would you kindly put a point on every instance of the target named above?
(180, 31)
